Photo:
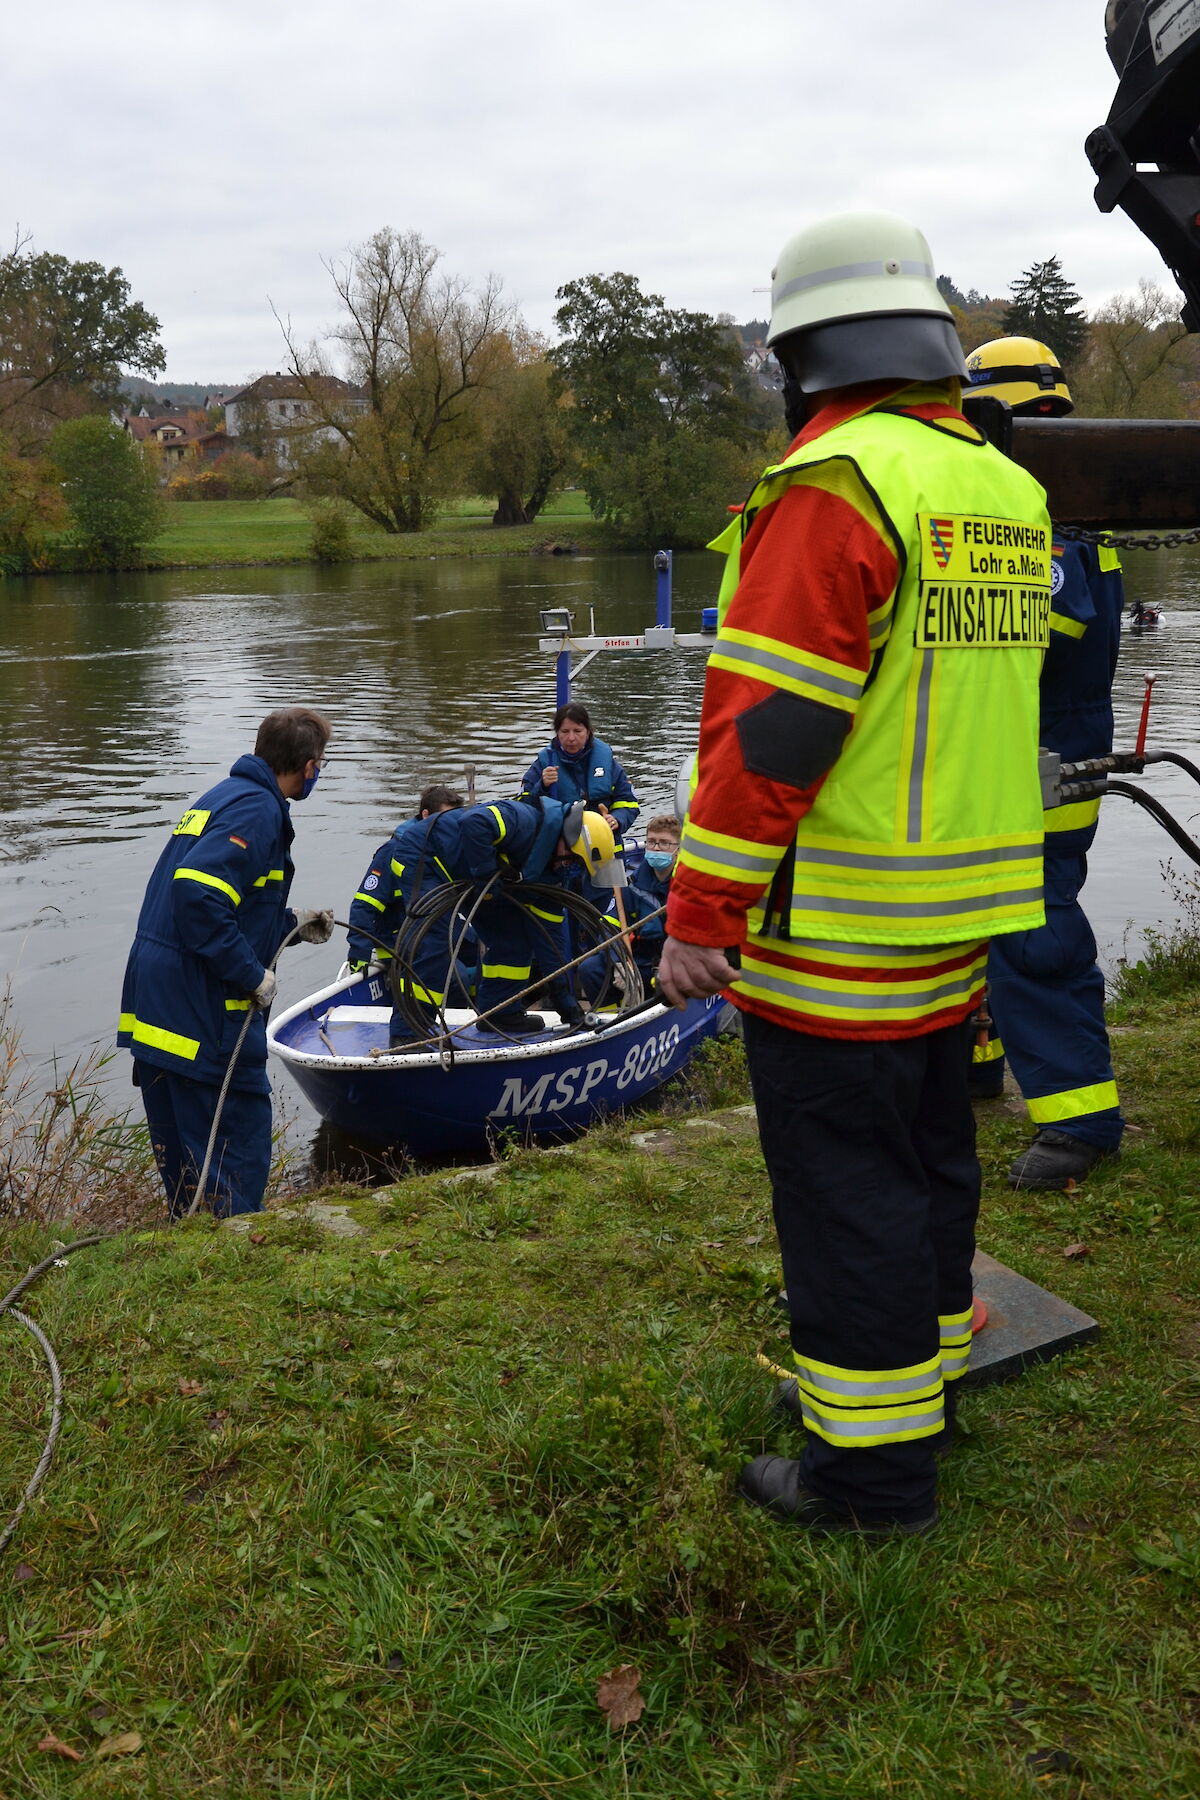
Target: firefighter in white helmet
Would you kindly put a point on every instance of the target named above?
(848, 852)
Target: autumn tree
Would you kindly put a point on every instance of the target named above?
(1137, 360)
(419, 346)
(659, 414)
(67, 330)
(1045, 306)
(110, 491)
(31, 509)
(523, 449)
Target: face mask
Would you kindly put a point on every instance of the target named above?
(660, 859)
(310, 782)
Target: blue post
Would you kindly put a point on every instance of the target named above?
(662, 592)
(562, 670)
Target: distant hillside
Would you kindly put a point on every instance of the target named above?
(183, 393)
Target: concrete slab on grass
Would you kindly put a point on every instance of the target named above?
(1026, 1324)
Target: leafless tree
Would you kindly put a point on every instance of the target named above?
(416, 346)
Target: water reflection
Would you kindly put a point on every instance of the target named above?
(126, 695)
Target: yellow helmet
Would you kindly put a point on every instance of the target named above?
(1021, 371)
(589, 835)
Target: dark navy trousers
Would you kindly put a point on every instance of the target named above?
(180, 1114)
(1046, 996)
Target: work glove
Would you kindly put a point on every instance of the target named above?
(357, 968)
(315, 925)
(264, 993)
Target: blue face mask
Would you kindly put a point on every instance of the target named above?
(310, 782)
(660, 859)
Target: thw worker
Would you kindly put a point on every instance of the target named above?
(213, 918)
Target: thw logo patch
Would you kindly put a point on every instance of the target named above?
(941, 540)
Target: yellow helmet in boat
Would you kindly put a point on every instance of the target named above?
(589, 835)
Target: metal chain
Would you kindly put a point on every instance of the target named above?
(1127, 540)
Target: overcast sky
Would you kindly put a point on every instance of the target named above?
(218, 149)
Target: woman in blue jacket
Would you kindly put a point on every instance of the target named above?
(576, 765)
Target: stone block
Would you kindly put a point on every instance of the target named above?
(1026, 1324)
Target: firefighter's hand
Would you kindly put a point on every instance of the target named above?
(692, 972)
(264, 993)
(315, 926)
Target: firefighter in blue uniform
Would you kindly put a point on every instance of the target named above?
(1045, 991)
(214, 916)
(400, 871)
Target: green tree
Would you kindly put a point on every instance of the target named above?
(1044, 305)
(659, 413)
(523, 450)
(110, 491)
(420, 347)
(1137, 360)
(67, 329)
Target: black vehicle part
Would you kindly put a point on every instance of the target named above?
(1155, 118)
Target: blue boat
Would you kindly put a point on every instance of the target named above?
(475, 1091)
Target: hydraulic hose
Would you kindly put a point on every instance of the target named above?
(1158, 811)
(1181, 762)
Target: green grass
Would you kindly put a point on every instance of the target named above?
(226, 533)
(371, 1518)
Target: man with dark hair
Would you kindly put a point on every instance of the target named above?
(213, 920)
(291, 738)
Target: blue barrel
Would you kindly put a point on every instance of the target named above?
(708, 618)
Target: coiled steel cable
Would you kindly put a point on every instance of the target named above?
(440, 904)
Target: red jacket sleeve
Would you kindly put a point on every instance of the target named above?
(811, 607)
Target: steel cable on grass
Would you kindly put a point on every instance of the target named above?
(220, 1107)
(47, 1349)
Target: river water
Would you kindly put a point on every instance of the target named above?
(125, 696)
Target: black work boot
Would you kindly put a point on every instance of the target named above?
(776, 1484)
(787, 1399)
(1053, 1159)
(513, 1024)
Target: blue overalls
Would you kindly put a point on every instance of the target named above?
(401, 870)
(214, 915)
(471, 844)
(1045, 992)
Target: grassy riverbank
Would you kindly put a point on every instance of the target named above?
(233, 533)
(371, 1517)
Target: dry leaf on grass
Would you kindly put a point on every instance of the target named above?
(55, 1747)
(189, 1389)
(23, 1572)
(1077, 1250)
(617, 1695)
(123, 1745)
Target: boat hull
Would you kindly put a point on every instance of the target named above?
(541, 1089)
